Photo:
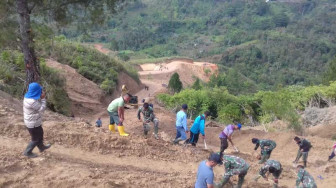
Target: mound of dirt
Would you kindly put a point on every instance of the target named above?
(187, 70)
(86, 156)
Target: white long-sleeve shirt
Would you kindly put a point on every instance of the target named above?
(32, 112)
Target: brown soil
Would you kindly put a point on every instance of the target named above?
(86, 156)
(188, 71)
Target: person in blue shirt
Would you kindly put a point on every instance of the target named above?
(99, 122)
(181, 124)
(205, 175)
(197, 128)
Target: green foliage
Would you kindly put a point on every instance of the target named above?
(269, 44)
(175, 83)
(93, 65)
(12, 76)
(197, 84)
(330, 74)
(264, 106)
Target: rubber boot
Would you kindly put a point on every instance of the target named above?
(122, 131)
(28, 152)
(305, 164)
(156, 130)
(112, 128)
(43, 147)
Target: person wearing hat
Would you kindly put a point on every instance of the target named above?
(116, 113)
(305, 178)
(205, 175)
(226, 134)
(197, 128)
(234, 166)
(304, 147)
(273, 167)
(266, 148)
(181, 124)
(148, 116)
(34, 104)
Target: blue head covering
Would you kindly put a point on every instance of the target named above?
(34, 91)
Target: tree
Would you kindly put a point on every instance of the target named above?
(330, 74)
(175, 83)
(197, 84)
(62, 12)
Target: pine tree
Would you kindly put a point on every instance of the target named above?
(175, 83)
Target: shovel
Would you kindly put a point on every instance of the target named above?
(205, 145)
(236, 149)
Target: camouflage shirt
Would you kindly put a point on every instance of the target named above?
(148, 115)
(267, 165)
(306, 179)
(265, 145)
(234, 165)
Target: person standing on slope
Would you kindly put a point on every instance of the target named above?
(148, 116)
(234, 166)
(273, 167)
(116, 112)
(181, 124)
(304, 147)
(333, 153)
(305, 178)
(266, 148)
(197, 128)
(34, 104)
(205, 175)
(226, 134)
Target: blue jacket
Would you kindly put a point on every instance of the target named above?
(199, 125)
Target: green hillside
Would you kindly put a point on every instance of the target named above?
(270, 44)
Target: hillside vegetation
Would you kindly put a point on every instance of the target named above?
(270, 44)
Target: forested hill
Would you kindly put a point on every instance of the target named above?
(271, 44)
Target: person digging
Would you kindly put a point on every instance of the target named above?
(304, 178)
(266, 148)
(226, 135)
(148, 116)
(271, 167)
(116, 112)
(197, 128)
(233, 166)
(304, 147)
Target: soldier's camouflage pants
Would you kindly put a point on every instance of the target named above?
(147, 127)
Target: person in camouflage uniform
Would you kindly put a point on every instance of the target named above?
(305, 178)
(234, 166)
(266, 147)
(304, 147)
(148, 116)
(273, 167)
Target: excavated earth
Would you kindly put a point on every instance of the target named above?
(83, 155)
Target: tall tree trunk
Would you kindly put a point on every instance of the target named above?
(32, 64)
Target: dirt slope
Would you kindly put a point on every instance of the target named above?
(187, 70)
(85, 156)
(86, 96)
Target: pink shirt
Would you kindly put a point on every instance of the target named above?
(227, 131)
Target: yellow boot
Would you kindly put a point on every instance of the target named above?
(122, 131)
(112, 129)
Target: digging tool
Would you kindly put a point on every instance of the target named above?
(205, 145)
(236, 149)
